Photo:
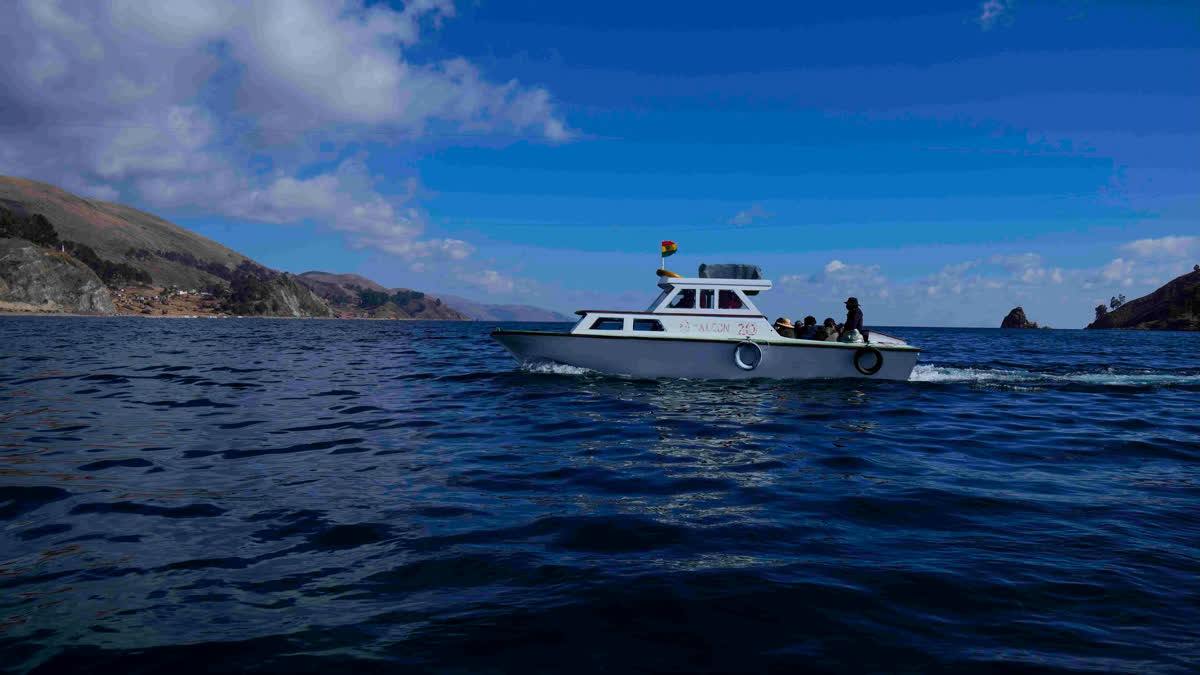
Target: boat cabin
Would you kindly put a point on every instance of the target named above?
(708, 296)
(694, 307)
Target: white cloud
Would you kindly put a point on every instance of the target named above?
(1032, 274)
(1116, 269)
(837, 275)
(489, 280)
(443, 249)
(980, 292)
(992, 12)
(240, 108)
(756, 212)
(1019, 262)
(1165, 247)
(959, 269)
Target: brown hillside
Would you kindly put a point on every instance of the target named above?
(120, 233)
(344, 293)
(343, 281)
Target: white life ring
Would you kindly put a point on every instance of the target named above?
(747, 355)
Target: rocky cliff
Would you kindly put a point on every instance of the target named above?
(286, 296)
(1016, 319)
(34, 279)
(1175, 306)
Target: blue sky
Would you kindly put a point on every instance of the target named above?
(944, 161)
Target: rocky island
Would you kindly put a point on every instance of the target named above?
(1175, 306)
(1016, 319)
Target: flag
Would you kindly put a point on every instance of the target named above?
(668, 247)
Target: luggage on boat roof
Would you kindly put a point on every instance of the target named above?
(730, 271)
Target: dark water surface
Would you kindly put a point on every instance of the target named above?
(335, 495)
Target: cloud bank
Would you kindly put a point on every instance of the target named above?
(245, 109)
(963, 292)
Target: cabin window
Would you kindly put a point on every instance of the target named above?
(706, 298)
(730, 300)
(608, 323)
(648, 324)
(685, 300)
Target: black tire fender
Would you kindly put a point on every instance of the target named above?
(747, 355)
(858, 360)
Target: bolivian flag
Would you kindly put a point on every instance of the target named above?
(668, 248)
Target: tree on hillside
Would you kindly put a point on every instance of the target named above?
(39, 230)
(1116, 301)
(35, 228)
(1101, 312)
(111, 273)
(370, 299)
(402, 298)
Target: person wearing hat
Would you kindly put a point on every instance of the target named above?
(784, 328)
(827, 331)
(852, 329)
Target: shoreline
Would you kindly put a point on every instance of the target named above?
(210, 316)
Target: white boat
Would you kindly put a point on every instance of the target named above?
(705, 328)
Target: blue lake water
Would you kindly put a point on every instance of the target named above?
(335, 495)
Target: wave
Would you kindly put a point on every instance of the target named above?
(935, 373)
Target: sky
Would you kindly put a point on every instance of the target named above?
(943, 161)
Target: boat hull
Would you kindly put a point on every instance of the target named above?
(704, 359)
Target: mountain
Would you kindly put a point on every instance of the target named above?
(1175, 306)
(354, 296)
(481, 312)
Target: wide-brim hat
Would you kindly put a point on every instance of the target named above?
(852, 302)
(783, 322)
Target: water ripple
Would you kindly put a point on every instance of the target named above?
(328, 495)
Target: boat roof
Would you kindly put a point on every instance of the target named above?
(746, 284)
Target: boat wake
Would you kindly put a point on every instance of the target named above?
(935, 373)
(975, 376)
(554, 369)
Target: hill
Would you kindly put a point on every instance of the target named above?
(41, 254)
(151, 266)
(354, 296)
(1175, 306)
(480, 312)
(168, 253)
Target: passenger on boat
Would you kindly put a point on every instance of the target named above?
(827, 331)
(834, 333)
(784, 328)
(852, 329)
(805, 331)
